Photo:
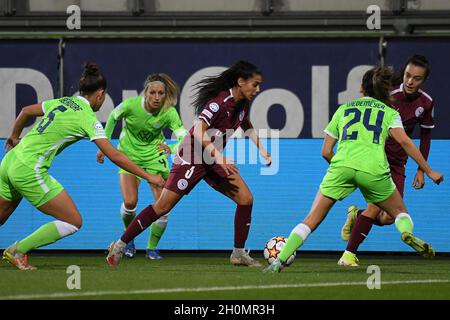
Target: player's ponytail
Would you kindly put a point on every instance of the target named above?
(210, 87)
(92, 79)
(171, 87)
(377, 83)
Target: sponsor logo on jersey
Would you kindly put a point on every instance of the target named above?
(241, 115)
(214, 107)
(145, 135)
(182, 184)
(207, 114)
(419, 112)
(98, 128)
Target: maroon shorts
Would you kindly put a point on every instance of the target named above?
(184, 177)
(398, 175)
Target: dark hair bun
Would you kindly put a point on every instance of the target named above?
(91, 69)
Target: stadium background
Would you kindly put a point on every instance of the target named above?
(310, 66)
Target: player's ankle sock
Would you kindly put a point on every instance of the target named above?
(139, 224)
(296, 239)
(360, 231)
(157, 230)
(242, 220)
(46, 234)
(127, 215)
(404, 223)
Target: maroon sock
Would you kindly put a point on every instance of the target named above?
(242, 219)
(375, 222)
(139, 224)
(359, 232)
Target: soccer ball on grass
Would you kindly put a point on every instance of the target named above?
(273, 248)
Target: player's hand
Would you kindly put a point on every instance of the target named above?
(227, 165)
(419, 180)
(437, 177)
(100, 157)
(10, 143)
(267, 156)
(165, 148)
(156, 180)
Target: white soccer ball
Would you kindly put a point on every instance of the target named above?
(273, 248)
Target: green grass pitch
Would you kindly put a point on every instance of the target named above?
(209, 276)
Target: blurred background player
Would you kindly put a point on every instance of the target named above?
(416, 108)
(223, 105)
(24, 169)
(362, 127)
(142, 140)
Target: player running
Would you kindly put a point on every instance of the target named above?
(223, 105)
(142, 140)
(416, 108)
(362, 127)
(24, 168)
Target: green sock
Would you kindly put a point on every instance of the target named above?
(404, 224)
(293, 243)
(155, 235)
(127, 218)
(46, 234)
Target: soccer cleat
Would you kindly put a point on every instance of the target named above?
(418, 244)
(152, 254)
(348, 259)
(275, 267)
(130, 249)
(352, 212)
(240, 257)
(115, 253)
(19, 260)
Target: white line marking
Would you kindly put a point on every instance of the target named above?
(206, 289)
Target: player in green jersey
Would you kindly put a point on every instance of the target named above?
(24, 168)
(143, 141)
(361, 127)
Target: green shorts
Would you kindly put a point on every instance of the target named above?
(158, 166)
(18, 180)
(340, 182)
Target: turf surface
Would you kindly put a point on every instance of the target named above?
(209, 276)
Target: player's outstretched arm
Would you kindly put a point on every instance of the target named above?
(122, 161)
(248, 128)
(27, 113)
(410, 148)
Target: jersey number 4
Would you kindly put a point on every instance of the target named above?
(346, 135)
(45, 122)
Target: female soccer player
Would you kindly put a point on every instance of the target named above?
(142, 141)
(223, 105)
(24, 169)
(362, 127)
(416, 108)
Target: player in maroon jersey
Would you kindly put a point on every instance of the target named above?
(415, 107)
(223, 105)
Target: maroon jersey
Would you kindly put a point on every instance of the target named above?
(223, 117)
(412, 111)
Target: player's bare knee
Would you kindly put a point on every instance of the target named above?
(245, 200)
(130, 203)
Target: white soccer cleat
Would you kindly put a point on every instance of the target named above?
(240, 257)
(115, 253)
(19, 260)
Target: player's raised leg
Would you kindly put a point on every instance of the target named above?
(319, 210)
(143, 220)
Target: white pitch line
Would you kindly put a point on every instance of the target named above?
(206, 289)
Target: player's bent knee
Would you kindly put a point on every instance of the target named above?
(65, 228)
(130, 204)
(246, 200)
